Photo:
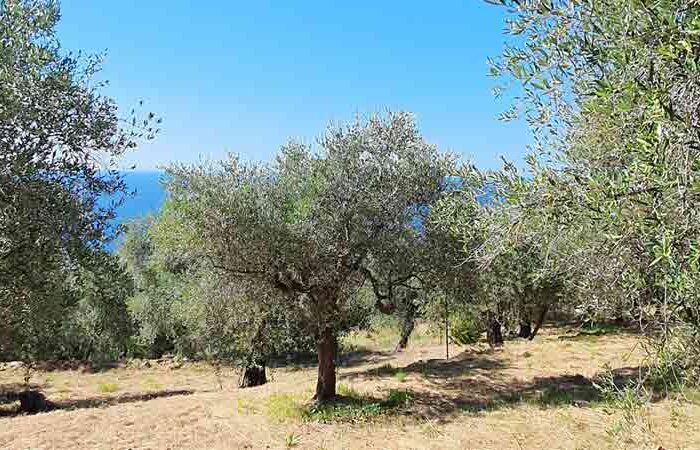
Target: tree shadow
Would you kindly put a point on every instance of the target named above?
(97, 402)
(460, 364)
(593, 332)
(362, 357)
(85, 366)
(475, 383)
(8, 391)
(346, 359)
(436, 369)
(479, 397)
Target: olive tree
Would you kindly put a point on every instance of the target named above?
(611, 89)
(314, 223)
(506, 263)
(402, 280)
(60, 139)
(181, 304)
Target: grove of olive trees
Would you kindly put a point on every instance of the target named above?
(248, 261)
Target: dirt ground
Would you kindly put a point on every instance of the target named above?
(529, 395)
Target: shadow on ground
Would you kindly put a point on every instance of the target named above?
(436, 370)
(346, 359)
(479, 396)
(97, 402)
(591, 333)
(476, 383)
(543, 392)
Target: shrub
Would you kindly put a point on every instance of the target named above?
(676, 362)
(466, 327)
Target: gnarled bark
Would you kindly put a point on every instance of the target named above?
(254, 372)
(540, 321)
(407, 325)
(408, 322)
(327, 352)
(32, 402)
(494, 335)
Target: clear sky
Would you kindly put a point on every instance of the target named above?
(246, 76)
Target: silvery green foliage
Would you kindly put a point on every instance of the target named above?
(611, 89)
(311, 224)
(180, 304)
(166, 305)
(499, 266)
(98, 325)
(59, 139)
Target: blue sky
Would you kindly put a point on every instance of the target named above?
(247, 76)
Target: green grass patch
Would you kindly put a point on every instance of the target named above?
(107, 387)
(359, 408)
(386, 370)
(398, 398)
(554, 397)
(594, 331)
(600, 330)
(385, 332)
(692, 395)
(345, 390)
(400, 376)
(351, 406)
(285, 407)
(152, 383)
(292, 440)
(244, 406)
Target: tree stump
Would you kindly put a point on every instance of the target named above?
(525, 330)
(253, 376)
(32, 402)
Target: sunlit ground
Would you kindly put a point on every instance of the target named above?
(529, 395)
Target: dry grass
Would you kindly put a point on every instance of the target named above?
(385, 337)
(529, 395)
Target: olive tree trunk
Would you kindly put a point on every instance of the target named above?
(32, 402)
(539, 321)
(407, 327)
(327, 352)
(494, 335)
(254, 372)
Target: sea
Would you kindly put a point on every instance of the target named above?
(148, 195)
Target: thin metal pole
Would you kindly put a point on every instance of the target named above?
(447, 331)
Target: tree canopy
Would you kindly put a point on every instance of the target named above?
(314, 225)
(59, 139)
